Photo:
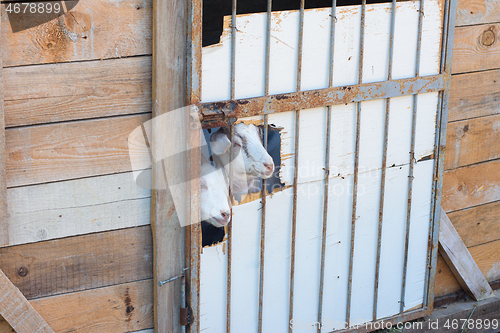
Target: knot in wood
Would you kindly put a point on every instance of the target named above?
(488, 38)
(23, 271)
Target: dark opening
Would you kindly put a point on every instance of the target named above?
(215, 10)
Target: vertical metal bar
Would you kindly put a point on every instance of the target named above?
(327, 170)
(264, 183)
(442, 122)
(356, 165)
(296, 165)
(384, 162)
(193, 232)
(444, 38)
(230, 225)
(412, 159)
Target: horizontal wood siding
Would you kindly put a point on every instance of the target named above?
(474, 95)
(471, 188)
(96, 29)
(122, 308)
(79, 90)
(40, 154)
(471, 12)
(79, 263)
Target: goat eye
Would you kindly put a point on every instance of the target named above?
(237, 144)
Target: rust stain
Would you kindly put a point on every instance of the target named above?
(128, 306)
(170, 211)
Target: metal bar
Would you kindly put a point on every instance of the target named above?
(230, 225)
(264, 183)
(412, 159)
(229, 238)
(327, 170)
(193, 231)
(444, 38)
(262, 237)
(447, 54)
(356, 166)
(384, 162)
(328, 96)
(296, 165)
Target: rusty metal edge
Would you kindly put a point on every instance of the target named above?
(193, 231)
(327, 170)
(356, 168)
(327, 97)
(447, 53)
(384, 162)
(296, 165)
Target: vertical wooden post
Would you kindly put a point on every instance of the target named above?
(169, 93)
(4, 226)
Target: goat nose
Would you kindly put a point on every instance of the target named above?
(269, 166)
(225, 215)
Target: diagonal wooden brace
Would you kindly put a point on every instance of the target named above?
(460, 261)
(17, 311)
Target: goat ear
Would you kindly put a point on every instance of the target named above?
(219, 143)
(272, 127)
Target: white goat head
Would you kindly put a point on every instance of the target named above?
(251, 160)
(215, 203)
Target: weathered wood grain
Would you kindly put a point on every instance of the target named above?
(79, 263)
(472, 141)
(478, 225)
(93, 29)
(471, 186)
(477, 312)
(75, 207)
(122, 308)
(4, 226)
(79, 90)
(486, 256)
(63, 151)
(169, 90)
(476, 48)
(460, 261)
(17, 311)
(470, 12)
(474, 95)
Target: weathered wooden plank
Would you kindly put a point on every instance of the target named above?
(470, 12)
(169, 90)
(17, 311)
(481, 315)
(478, 225)
(476, 48)
(4, 226)
(122, 308)
(95, 29)
(79, 263)
(486, 256)
(63, 151)
(75, 207)
(471, 186)
(472, 141)
(79, 90)
(460, 261)
(474, 95)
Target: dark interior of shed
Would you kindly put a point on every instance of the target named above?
(215, 10)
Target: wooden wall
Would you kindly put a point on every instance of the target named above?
(81, 245)
(471, 193)
(75, 87)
